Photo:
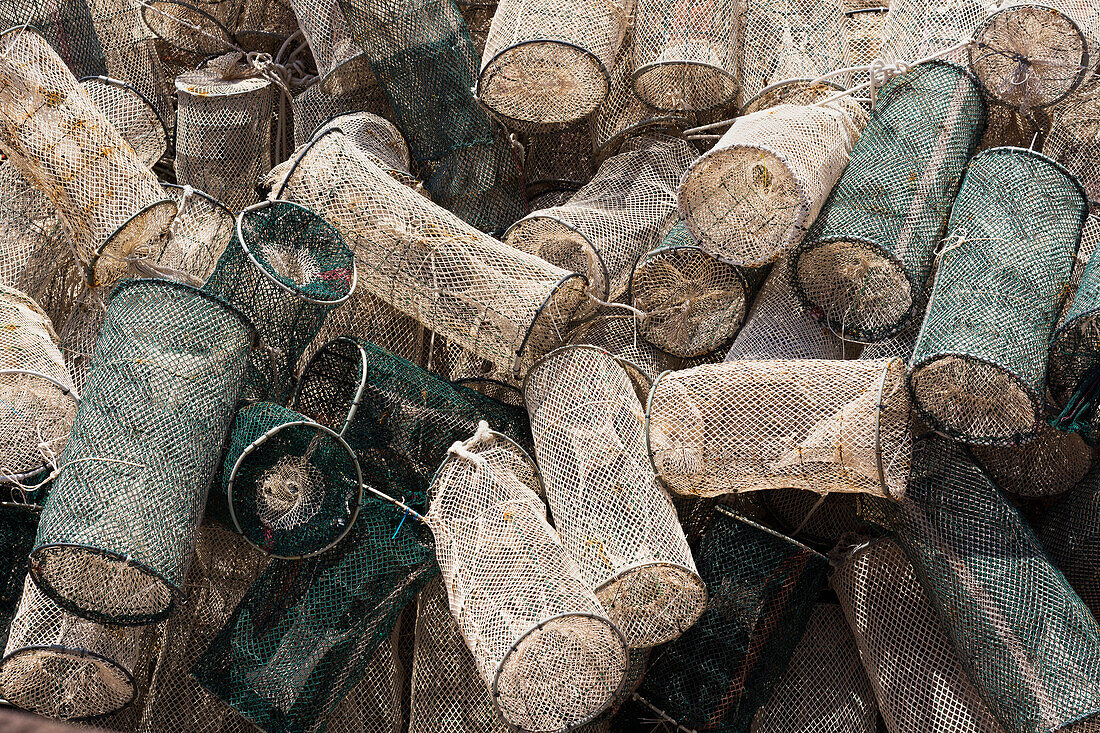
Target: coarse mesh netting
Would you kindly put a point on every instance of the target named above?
(63, 666)
(812, 424)
(290, 486)
(479, 18)
(863, 32)
(915, 672)
(486, 296)
(617, 333)
(1030, 54)
(1070, 534)
(314, 106)
(342, 66)
(200, 27)
(753, 196)
(264, 25)
(67, 25)
(1047, 466)
(548, 62)
(18, 525)
(30, 228)
(285, 268)
(614, 517)
(541, 641)
(761, 589)
(917, 29)
(133, 116)
(424, 59)
(223, 130)
(820, 520)
(824, 689)
(778, 326)
(37, 399)
(869, 252)
(694, 302)
(979, 368)
(558, 157)
(685, 53)
(1029, 644)
(51, 129)
(118, 528)
(308, 630)
(377, 138)
(621, 214)
(80, 330)
(1074, 137)
(1014, 127)
(789, 39)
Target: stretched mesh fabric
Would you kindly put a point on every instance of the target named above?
(314, 106)
(119, 526)
(377, 137)
(614, 517)
(1074, 135)
(812, 424)
(914, 29)
(135, 117)
(618, 334)
(761, 590)
(29, 224)
(342, 67)
(18, 526)
(197, 238)
(863, 32)
(200, 27)
(67, 25)
(864, 261)
(980, 364)
(1049, 465)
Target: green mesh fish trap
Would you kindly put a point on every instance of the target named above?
(135, 117)
(541, 640)
(913, 669)
(864, 262)
(119, 526)
(614, 517)
(285, 268)
(67, 25)
(292, 487)
(1071, 536)
(1028, 642)
(979, 368)
(761, 587)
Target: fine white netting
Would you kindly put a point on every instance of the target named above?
(135, 117)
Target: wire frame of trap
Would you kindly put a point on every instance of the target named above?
(119, 526)
(201, 27)
(980, 364)
(343, 67)
(618, 334)
(377, 138)
(135, 117)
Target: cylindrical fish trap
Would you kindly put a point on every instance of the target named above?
(68, 27)
(134, 116)
(1047, 466)
(377, 138)
(19, 515)
(285, 268)
(685, 53)
(264, 25)
(558, 157)
(613, 516)
(864, 262)
(863, 32)
(342, 65)
(778, 326)
(30, 228)
(1070, 534)
(753, 196)
(223, 130)
(539, 636)
(548, 62)
(201, 27)
(617, 333)
(693, 302)
(37, 399)
(314, 106)
(1029, 644)
(1074, 138)
(761, 590)
(979, 368)
(917, 29)
(915, 672)
(817, 425)
(621, 214)
(502, 304)
(119, 525)
(292, 487)
(64, 666)
(1032, 54)
(1074, 359)
(824, 689)
(54, 133)
(818, 520)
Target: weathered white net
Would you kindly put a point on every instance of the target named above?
(617, 333)
(135, 117)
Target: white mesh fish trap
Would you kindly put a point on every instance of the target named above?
(618, 334)
(863, 265)
(1074, 138)
(1047, 466)
(51, 129)
(63, 666)
(613, 516)
(979, 367)
(916, 675)
(685, 53)
(824, 689)
(29, 225)
(134, 116)
(540, 638)
(755, 193)
(119, 525)
(201, 27)
(621, 214)
(789, 39)
(342, 66)
(37, 399)
(375, 137)
(558, 157)
(548, 62)
(863, 31)
(504, 305)
(1029, 54)
(818, 425)
(693, 302)
(313, 107)
(223, 130)
(916, 29)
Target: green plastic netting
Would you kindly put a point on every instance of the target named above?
(865, 260)
(1028, 642)
(119, 525)
(290, 486)
(286, 269)
(978, 372)
(761, 589)
(1074, 360)
(1070, 533)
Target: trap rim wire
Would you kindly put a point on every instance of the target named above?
(18, 478)
(357, 398)
(535, 472)
(78, 653)
(110, 80)
(149, 9)
(255, 444)
(402, 176)
(590, 251)
(796, 85)
(91, 276)
(729, 81)
(201, 194)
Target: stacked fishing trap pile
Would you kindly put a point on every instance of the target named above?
(473, 366)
